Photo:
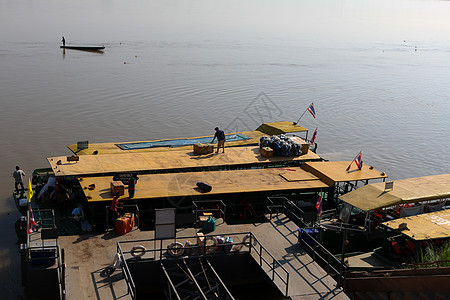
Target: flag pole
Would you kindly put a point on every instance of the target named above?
(295, 123)
(348, 168)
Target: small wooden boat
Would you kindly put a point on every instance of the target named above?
(85, 48)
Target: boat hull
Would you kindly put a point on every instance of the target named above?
(85, 48)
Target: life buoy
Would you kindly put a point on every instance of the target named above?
(175, 249)
(246, 242)
(137, 251)
(210, 243)
(116, 261)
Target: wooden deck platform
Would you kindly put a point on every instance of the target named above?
(155, 186)
(332, 172)
(153, 162)
(273, 128)
(88, 256)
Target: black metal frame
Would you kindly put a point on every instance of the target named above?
(222, 208)
(59, 252)
(252, 243)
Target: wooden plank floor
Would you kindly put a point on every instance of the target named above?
(88, 256)
(272, 128)
(112, 148)
(154, 186)
(336, 171)
(163, 161)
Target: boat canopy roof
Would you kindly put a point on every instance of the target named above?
(276, 128)
(434, 225)
(374, 196)
(169, 185)
(335, 171)
(162, 162)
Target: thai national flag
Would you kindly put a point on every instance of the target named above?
(314, 137)
(311, 110)
(31, 222)
(358, 160)
(319, 205)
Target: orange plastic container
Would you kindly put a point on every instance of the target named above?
(122, 225)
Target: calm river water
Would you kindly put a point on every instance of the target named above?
(377, 71)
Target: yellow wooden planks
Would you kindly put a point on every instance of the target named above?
(159, 161)
(428, 226)
(335, 171)
(184, 184)
(254, 135)
(292, 174)
(374, 196)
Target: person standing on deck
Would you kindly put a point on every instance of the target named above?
(131, 187)
(220, 135)
(18, 175)
(115, 205)
(63, 41)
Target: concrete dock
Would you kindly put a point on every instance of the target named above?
(88, 256)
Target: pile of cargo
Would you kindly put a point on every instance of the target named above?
(281, 145)
(200, 148)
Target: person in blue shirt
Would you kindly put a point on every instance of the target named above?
(220, 135)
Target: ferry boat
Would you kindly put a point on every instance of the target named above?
(71, 211)
(366, 208)
(83, 48)
(412, 262)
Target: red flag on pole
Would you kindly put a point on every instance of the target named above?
(312, 110)
(319, 205)
(314, 137)
(358, 160)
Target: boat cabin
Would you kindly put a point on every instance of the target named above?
(365, 208)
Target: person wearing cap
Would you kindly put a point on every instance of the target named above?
(220, 135)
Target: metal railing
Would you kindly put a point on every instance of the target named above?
(249, 240)
(272, 265)
(127, 274)
(218, 207)
(319, 252)
(341, 227)
(286, 207)
(46, 219)
(170, 284)
(437, 264)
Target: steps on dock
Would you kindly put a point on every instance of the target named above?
(193, 278)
